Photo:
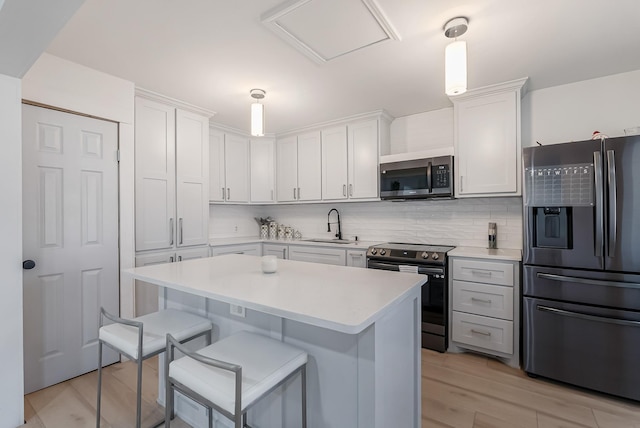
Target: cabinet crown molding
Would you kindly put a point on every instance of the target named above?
(376, 114)
(512, 85)
(154, 96)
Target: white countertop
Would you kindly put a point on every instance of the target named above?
(362, 245)
(340, 298)
(485, 253)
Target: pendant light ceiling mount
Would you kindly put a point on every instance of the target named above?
(456, 27)
(258, 94)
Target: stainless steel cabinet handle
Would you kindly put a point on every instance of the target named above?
(484, 333)
(284, 253)
(272, 195)
(294, 193)
(344, 190)
(588, 317)
(180, 223)
(586, 281)
(597, 166)
(171, 230)
(461, 185)
(350, 189)
(179, 258)
(171, 259)
(613, 189)
(481, 272)
(222, 188)
(228, 193)
(299, 193)
(475, 299)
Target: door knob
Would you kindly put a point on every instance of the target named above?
(28, 264)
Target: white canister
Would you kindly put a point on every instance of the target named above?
(269, 264)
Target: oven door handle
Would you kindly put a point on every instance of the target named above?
(588, 317)
(371, 264)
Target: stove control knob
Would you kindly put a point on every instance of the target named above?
(383, 252)
(434, 256)
(374, 251)
(425, 255)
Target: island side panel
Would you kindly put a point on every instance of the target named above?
(398, 365)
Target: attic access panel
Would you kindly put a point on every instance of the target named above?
(326, 29)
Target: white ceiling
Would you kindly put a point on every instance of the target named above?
(212, 52)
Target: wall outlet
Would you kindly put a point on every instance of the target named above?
(237, 310)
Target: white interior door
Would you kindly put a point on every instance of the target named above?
(70, 231)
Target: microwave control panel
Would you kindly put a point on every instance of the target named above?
(440, 176)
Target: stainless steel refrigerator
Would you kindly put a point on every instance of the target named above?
(581, 276)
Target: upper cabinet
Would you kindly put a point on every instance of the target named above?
(229, 160)
(487, 140)
(298, 176)
(171, 176)
(350, 158)
(262, 167)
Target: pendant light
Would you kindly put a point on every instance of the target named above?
(455, 57)
(257, 113)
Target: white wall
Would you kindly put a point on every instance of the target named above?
(60, 83)
(572, 112)
(459, 222)
(11, 364)
(422, 131)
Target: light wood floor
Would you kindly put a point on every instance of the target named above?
(458, 390)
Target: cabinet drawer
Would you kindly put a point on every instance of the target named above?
(329, 256)
(489, 333)
(482, 271)
(250, 249)
(483, 299)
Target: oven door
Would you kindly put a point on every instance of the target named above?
(434, 301)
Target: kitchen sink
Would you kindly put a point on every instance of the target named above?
(329, 241)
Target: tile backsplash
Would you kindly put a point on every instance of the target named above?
(459, 222)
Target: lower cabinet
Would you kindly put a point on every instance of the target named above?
(484, 307)
(329, 256)
(146, 295)
(357, 258)
(252, 249)
(279, 250)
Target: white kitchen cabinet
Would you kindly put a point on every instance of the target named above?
(171, 176)
(357, 258)
(335, 175)
(350, 159)
(299, 164)
(217, 182)
(330, 256)
(487, 139)
(252, 249)
(146, 295)
(229, 162)
(262, 167)
(279, 250)
(363, 157)
(484, 306)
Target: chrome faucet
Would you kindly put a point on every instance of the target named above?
(339, 234)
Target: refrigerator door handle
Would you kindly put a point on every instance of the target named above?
(613, 188)
(586, 281)
(587, 317)
(597, 166)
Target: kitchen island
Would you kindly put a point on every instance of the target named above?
(361, 329)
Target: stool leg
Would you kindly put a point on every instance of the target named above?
(99, 383)
(139, 397)
(303, 375)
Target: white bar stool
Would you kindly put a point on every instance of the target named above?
(232, 374)
(145, 337)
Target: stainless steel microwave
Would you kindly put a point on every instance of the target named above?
(417, 178)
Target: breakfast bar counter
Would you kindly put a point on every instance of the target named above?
(360, 327)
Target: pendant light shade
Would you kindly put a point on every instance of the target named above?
(455, 57)
(257, 113)
(455, 60)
